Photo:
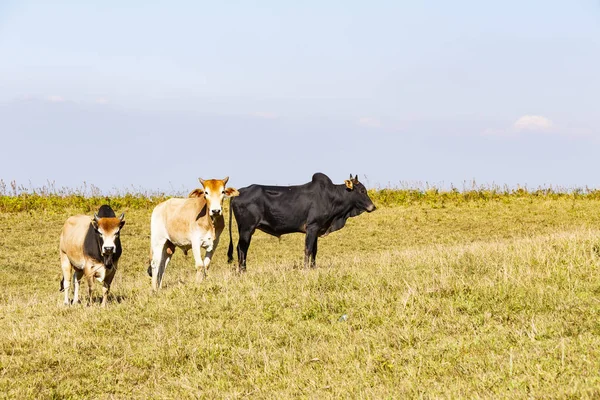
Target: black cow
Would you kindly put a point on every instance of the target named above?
(316, 208)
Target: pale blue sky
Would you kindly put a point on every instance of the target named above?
(120, 93)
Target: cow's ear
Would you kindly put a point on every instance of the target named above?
(231, 192)
(196, 193)
(122, 219)
(349, 184)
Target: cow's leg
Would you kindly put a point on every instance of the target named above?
(209, 254)
(90, 282)
(313, 261)
(200, 267)
(108, 277)
(77, 284)
(166, 258)
(242, 249)
(105, 290)
(157, 263)
(168, 250)
(310, 247)
(67, 270)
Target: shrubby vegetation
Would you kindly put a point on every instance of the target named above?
(15, 198)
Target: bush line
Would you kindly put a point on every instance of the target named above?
(434, 197)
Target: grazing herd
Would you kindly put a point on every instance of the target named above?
(91, 247)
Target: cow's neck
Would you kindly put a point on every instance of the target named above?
(341, 206)
(203, 214)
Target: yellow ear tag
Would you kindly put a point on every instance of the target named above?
(349, 184)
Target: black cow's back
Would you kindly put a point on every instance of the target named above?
(273, 209)
(279, 210)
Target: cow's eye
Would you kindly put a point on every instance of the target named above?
(223, 192)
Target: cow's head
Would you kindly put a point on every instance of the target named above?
(359, 194)
(214, 191)
(108, 229)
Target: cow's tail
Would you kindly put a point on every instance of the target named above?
(230, 249)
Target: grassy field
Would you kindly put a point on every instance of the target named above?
(441, 298)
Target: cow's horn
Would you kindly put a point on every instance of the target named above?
(95, 217)
(122, 216)
(225, 180)
(201, 181)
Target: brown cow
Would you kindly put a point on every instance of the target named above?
(192, 223)
(92, 247)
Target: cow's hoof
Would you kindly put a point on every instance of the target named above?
(200, 277)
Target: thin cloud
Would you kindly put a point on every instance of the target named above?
(101, 100)
(55, 99)
(525, 124)
(533, 123)
(370, 122)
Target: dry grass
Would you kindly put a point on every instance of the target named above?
(468, 300)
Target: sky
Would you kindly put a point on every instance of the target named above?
(156, 94)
